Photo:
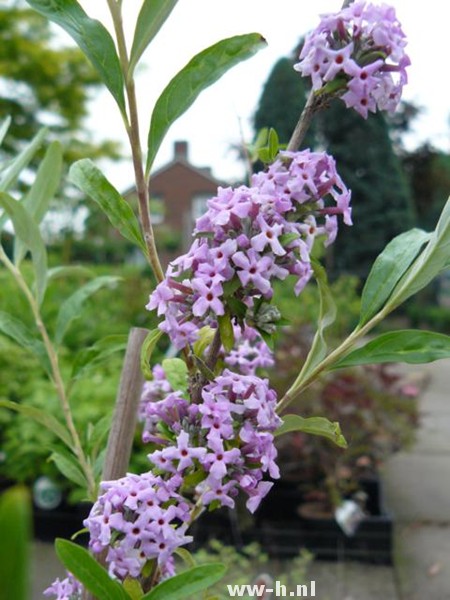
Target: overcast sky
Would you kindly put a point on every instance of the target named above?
(212, 125)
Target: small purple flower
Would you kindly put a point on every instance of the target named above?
(208, 298)
(67, 589)
(254, 269)
(268, 237)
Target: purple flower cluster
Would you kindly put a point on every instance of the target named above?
(250, 352)
(67, 589)
(248, 237)
(139, 518)
(362, 45)
(227, 440)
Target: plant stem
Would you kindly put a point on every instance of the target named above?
(298, 135)
(301, 384)
(56, 376)
(132, 128)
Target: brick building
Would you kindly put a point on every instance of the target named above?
(178, 195)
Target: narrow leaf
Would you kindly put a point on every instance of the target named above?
(4, 129)
(42, 417)
(327, 315)
(152, 17)
(226, 331)
(313, 425)
(17, 331)
(92, 38)
(147, 350)
(41, 192)
(408, 346)
(69, 467)
(205, 337)
(176, 373)
(68, 271)
(19, 163)
(86, 176)
(28, 232)
(431, 262)
(15, 544)
(201, 72)
(71, 308)
(387, 270)
(89, 358)
(188, 583)
(185, 556)
(88, 571)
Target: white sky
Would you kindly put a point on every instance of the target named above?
(211, 126)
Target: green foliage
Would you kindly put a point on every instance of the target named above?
(91, 180)
(176, 373)
(314, 426)
(92, 38)
(191, 581)
(44, 78)
(387, 270)
(151, 18)
(408, 346)
(202, 71)
(15, 525)
(87, 570)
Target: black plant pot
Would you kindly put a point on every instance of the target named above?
(283, 532)
(63, 522)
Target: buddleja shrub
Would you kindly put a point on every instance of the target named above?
(209, 419)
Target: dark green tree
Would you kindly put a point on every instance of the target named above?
(365, 159)
(428, 171)
(282, 100)
(381, 198)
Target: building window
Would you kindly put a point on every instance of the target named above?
(199, 206)
(157, 209)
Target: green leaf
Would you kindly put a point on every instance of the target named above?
(68, 271)
(133, 588)
(408, 346)
(28, 232)
(430, 263)
(69, 467)
(387, 270)
(87, 570)
(15, 544)
(86, 176)
(71, 308)
(152, 17)
(42, 417)
(274, 143)
(4, 129)
(226, 331)
(188, 583)
(147, 350)
(205, 337)
(92, 38)
(327, 315)
(89, 358)
(176, 373)
(201, 72)
(17, 331)
(314, 426)
(41, 192)
(97, 434)
(185, 556)
(19, 163)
